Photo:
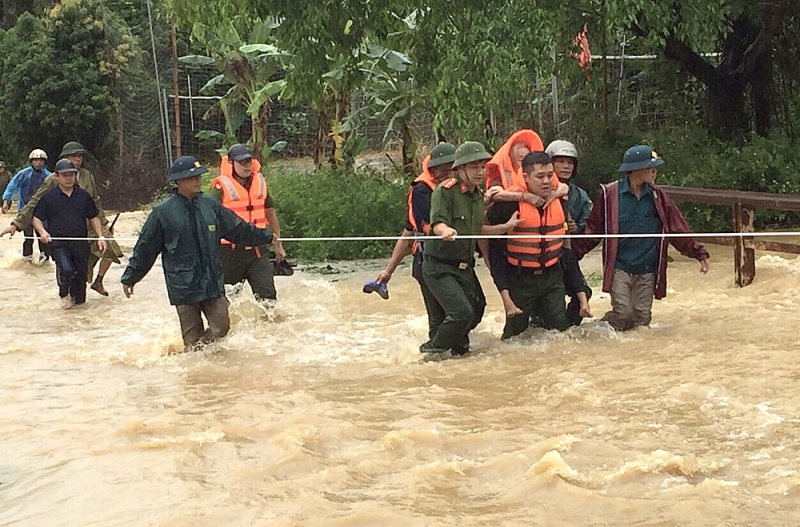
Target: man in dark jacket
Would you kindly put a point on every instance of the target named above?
(75, 152)
(186, 230)
(5, 177)
(635, 269)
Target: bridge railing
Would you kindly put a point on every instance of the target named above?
(743, 205)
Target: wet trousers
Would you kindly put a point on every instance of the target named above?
(538, 295)
(27, 244)
(194, 331)
(436, 314)
(71, 259)
(461, 298)
(242, 264)
(631, 300)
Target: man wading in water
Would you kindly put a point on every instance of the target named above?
(186, 229)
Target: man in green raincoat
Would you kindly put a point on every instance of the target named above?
(186, 229)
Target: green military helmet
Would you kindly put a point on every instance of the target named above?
(442, 154)
(470, 152)
(72, 148)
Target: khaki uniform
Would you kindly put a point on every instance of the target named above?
(87, 182)
(449, 267)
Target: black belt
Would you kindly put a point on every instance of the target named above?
(238, 247)
(534, 271)
(460, 264)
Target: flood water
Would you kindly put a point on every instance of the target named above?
(323, 413)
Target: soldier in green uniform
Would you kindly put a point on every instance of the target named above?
(74, 151)
(448, 267)
(5, 177)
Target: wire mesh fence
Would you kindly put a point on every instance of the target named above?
(562, 106)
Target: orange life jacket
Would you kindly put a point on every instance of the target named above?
(425, 178)
(226, 167)
(247, 204)
(537, 253)
(500, 166)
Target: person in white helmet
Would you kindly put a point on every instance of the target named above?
(24, 184)
(565, 165)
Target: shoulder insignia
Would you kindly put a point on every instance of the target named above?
(450, 183)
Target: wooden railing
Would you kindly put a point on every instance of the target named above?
(743, 205)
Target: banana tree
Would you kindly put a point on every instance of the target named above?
(250, 65)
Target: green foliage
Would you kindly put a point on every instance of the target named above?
(59, 75)
(338, 202)
(694, 158)
(478, 62)
(243, 50)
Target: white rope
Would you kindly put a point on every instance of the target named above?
(769, 234)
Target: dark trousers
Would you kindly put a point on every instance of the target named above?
(539, 295)
(194, 331)
(71, 259)
(27, 244)
(436, 314)
(241, 264)
(573, 307)
(459, 293)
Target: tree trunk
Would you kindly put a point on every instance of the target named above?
(762, 95)
(408, 148)
(725, 114)
(323, 125)
(259, 130)
(746, 62)
(342, 110)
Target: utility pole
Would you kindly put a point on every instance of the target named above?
(176, 93)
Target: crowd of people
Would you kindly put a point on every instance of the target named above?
(530, 194)
(525, 197)
(205, 241)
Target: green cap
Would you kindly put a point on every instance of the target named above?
(639, 157)
(470, 152)
(72, 148)
(185, 166)
(442, 154)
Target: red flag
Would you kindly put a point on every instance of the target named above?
(584, 56)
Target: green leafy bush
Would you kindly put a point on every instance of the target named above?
(693, 158)
(337, 202)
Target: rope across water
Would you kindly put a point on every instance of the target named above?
(769, 234)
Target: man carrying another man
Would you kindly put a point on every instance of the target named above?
(531, 272)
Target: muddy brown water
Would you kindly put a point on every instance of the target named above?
(323, 413)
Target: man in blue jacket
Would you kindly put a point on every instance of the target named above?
(24, 184)
(185, 229)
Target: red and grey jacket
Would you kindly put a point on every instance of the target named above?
(604, 219)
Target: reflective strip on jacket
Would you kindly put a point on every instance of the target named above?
(247, 204)
(535, 253)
